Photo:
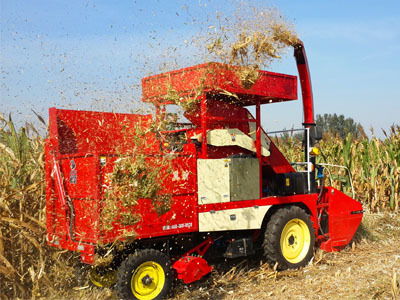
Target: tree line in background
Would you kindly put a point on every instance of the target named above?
(340, 125)
(334, 124)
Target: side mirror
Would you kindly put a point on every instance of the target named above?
(318, 133)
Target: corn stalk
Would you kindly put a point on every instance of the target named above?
(24, 256)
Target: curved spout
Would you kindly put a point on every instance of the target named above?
(305, 82)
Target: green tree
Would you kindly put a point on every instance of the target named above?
(340, 125)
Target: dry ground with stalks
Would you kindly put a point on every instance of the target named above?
(368, 269)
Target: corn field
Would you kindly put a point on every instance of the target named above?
(374, 165)
(31, 269)
(28, 267)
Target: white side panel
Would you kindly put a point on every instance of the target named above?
(245, 179)
(252, 127)
(233, 219)
(213, 180)
(265, 142)
(235, 137)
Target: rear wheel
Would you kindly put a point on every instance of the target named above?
(289, 238)
(144, 275)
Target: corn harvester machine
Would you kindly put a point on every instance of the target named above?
(233, 193)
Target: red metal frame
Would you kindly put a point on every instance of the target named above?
(215, 78)
(203, 127)
(200, 249)
(258, 141)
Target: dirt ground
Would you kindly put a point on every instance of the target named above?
(369, 268)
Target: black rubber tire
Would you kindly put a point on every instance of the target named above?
(132, 262)
(273, 234)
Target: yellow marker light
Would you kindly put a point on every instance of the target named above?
(315, 151)
(103, 160)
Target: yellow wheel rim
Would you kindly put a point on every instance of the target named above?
(148, 280)
(102, 280)
(295, 241)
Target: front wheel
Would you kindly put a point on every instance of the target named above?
(144, 275)
(289, 238)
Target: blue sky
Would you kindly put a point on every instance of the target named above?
(92, 54)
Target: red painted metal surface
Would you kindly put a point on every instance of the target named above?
(345, 215)
(219, 114)
(305, 82)
(191, 268)
(79, 178)
(82, 132)
(216, 78)
(277, 161)
(258, 142)
(204, 127)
